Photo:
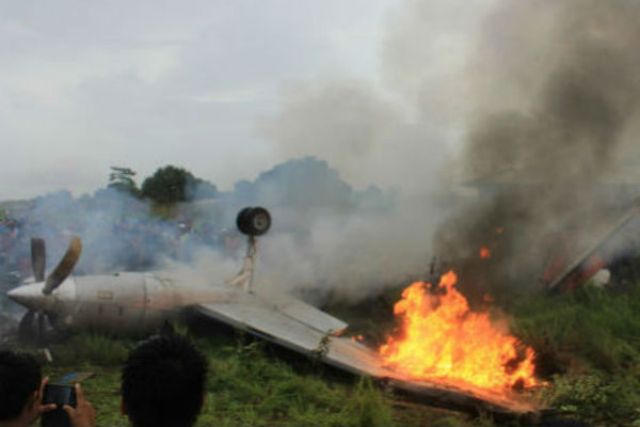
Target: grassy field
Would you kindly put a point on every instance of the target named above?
(588, 344)
(250, 386)
(589, 347)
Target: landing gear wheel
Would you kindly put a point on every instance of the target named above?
(254, 221)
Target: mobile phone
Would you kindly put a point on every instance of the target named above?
(60, 395)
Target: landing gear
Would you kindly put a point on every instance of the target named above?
(254, 221)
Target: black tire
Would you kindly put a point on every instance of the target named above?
(254, 221)
(242, 220)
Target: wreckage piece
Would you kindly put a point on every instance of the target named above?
(131, 303)
(594, 258)
(304, 329)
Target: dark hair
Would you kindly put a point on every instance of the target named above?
(20, 376)
(163, 382)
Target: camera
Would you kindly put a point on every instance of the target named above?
(60, 395)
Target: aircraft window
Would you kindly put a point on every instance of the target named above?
(100, 309)
(121, 311)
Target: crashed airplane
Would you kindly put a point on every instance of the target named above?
(139, 302)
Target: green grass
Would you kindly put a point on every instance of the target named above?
(249, 387)
(92, 350)
(596, 327)
(589, 347)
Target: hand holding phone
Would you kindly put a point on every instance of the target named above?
(82, 414)
(59, 395)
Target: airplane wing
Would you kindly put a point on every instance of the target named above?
(245, 307)
(309, 315)
(304, 329)
(298, 326)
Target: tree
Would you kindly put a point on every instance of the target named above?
(121, 179)
(171, 184)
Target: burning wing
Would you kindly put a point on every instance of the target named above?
(299, 327)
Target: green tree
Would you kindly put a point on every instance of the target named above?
(171, 184)
(122, 179)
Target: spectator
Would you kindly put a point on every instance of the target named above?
(21, 388)
(163, 383)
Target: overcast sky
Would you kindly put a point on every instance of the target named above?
(86, 85)
(215, 86)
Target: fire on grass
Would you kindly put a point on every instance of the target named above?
(441, 339)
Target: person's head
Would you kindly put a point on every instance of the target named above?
(20, 379)
(163, 383)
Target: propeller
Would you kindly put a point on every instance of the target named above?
(38, 258)
(64, 267)
(34, 323)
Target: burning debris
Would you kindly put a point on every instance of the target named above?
(567, 274)
(442, 340)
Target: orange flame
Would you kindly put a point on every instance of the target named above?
(485, 252)
(442, 339)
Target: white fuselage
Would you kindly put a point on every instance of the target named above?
(122, 303)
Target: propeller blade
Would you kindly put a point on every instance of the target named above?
(26, 331)
(41, 325)
(65, 267)
(38, 258)
(35, 327)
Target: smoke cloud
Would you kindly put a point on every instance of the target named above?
(555, 109)
(492, 123)
(401, 133)
(531, 106)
